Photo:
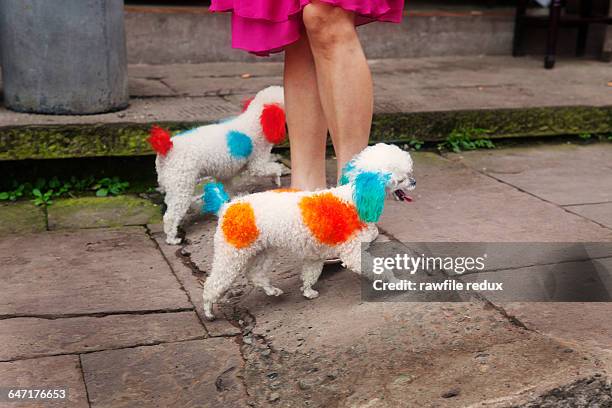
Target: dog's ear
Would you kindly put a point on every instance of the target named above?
(273, 123)
(369, 194)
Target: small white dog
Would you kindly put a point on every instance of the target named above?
(220, 151)
(314, 226)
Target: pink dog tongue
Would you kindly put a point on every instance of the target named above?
(402, 196)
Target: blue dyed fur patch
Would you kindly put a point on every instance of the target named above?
(213, 198)
(239, 145)
(344, 178)
(369, 193)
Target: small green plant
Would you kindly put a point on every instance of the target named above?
(16, 193)
(467, 139)
(42, 199)
(62, 188)
(585, 136)
(415, 144)
(110, 186)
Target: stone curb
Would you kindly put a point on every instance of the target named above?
(129, 139)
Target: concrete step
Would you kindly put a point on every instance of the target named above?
(423, 99)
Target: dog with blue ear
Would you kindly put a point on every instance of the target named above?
(312, 225)
(221, 151)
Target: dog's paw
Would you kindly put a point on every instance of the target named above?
(208, 314)
(272, 291)
(310, 293)
(173, 241)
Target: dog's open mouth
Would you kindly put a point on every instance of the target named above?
(402, 196)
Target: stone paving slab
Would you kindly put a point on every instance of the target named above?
(201, 373)
(412, 85)
(338, 350)
(46, 372)
(84, 272)
(21, 217)
(585, 324)
(31, 337)
(600, 213)
(563, 174)
(192, 278)
(454, 203)
(96, 212)
(576, 281)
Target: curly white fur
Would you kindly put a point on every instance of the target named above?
(204, 152)
(281, 224)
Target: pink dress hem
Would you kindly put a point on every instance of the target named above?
(264, 30)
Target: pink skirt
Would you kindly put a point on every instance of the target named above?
(266, 26)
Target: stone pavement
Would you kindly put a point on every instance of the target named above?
(210, 91)
(114, 313)
(422, 98)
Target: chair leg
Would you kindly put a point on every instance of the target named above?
(553, 31)
(519, 27)
(586, 7)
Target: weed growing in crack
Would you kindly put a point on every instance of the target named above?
(55, 188)
(466, 139)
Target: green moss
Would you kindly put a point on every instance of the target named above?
(20, 217)
(56, 142)
(90, 212)
(499, 123)
(52, 142)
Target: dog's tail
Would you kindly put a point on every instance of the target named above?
(214, 198)
(159, 140)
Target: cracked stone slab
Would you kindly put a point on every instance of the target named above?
(453, 202)
(86, 271)
(600, 213)
(339, 350)
(200, 373)
(568, 281)
(46, 372)
(191, 277)
(32, 337)
(586, 325)
(563, 174)
(147, 87)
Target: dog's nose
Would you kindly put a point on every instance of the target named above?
(412, 181)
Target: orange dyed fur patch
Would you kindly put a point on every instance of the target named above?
(239, 226)
(331, 220)
(286, 190)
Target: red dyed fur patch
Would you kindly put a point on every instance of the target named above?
(331, 220)
(273, 123)
(159, 140)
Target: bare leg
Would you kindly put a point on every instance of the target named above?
(305, 118)
(310, 274)
(343, 77)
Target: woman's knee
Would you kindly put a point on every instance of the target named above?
(328, 25)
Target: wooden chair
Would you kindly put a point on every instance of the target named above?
(553, 21)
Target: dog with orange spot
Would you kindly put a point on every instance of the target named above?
(313, 225)
(239, 145)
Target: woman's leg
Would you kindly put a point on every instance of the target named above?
(305, 118)
(343, 77)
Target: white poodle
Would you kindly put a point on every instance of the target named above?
(219, 151)
(313, 226)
